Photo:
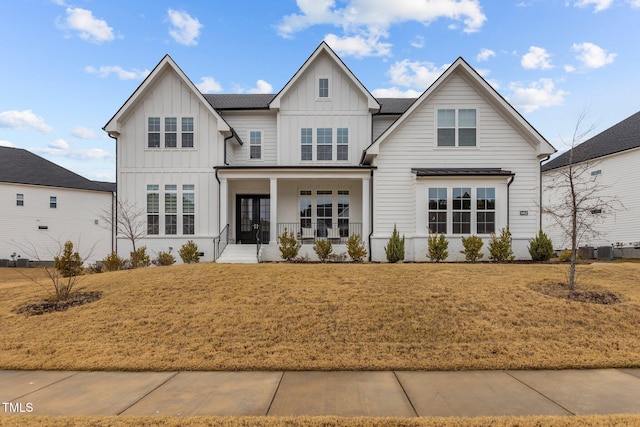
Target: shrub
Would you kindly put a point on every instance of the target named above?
(500, 249)
(289, 246)
(540, 247)
(69, 262)
(438, 247)
(113, 262)
(189, 252)
(565, 256)
(323, 248)
(165, 258)
(395, 247)
(355, 248)
(139, 258)
(472, 246)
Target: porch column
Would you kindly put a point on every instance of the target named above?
(224, 201)
(366, 210)
(273, 217)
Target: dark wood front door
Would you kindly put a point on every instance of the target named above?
(252, 211)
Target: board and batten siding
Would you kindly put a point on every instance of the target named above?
(619, 176)
(413, 145)
(36, 231)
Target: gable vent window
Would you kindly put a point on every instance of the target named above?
(323, 88)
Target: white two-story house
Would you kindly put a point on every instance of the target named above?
(325, 159)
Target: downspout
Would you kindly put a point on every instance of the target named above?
(226, 163)
(114, 205)
(508, 202)
(219, 199)
(370, 212)
(540, 190)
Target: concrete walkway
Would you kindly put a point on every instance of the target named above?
(348, 393)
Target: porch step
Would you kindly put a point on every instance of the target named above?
(238, 254)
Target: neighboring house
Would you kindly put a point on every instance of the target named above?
(326, 159)
(613, 158)
(44, 205)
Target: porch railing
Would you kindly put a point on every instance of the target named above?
(309, 232)
(220, 242)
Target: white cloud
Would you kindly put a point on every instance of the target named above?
(634, 3)
(540, 94)
(4, 143)
(418, 41)
(569, 68)
(368, 21)
(599, 5)
(89, 28)
(23, 120)
(184, 28)
(536, 58)
(83, 132)
(209, 85)
(59, 144)
(593, 56)
(485, 54)
(106, 70)
(60, 147)
(359, 46)
(92, 153)
(415, 74)
(394, 92)
(261, 87)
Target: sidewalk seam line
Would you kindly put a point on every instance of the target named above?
(147, 394)
(275, 393)
(415, 411)
(540, 393)
(45, 386)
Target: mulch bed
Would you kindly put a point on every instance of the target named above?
(48, 306)
(562, 291)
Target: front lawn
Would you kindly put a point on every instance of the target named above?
(327, 317)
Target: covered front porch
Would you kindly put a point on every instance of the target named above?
(258, 204)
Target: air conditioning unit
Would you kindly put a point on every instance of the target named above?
(605, 252)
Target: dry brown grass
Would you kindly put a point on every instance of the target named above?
(580, 421)
(327, 317)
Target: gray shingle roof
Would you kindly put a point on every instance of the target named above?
(23, 167)
(461, 172)
(619, 137)
(229, 101)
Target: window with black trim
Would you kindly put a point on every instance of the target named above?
(170, 209)
(153, 209)
(438, 210)
(461, 212)
(188, 209)
(486, 210)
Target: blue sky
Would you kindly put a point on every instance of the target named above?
(68, 65)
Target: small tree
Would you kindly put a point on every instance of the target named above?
(128, 221)
(189, 252)
(355, 248)
(472, 246)
(289, 246)
(540, 247)
(69, 262)
(323, 248)
(437, 247)
(113, 262)
(500, 249)
(395, 247)
(140, 258)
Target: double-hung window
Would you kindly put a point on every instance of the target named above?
(486, 210)
(153, 132)
(170, 209)
(255, 145)
(456, 127)
(188, 209)
(461, 214)
(170, 129)
(323, 88)
(19, 199)
(187, 132)
(53, 202)
(342, 142)
(324, 142)
(438, 210)
(153, 209)
(306, 144)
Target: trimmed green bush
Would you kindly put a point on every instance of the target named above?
(323, 248)
(288, 245)
(165, 258)
(500, 249)
(355, 248)
(69, 262)
(189, 253)
(139, 258)
(437, 247)
(395, 247)
(472, 246)
(540, 247)
(113, 262)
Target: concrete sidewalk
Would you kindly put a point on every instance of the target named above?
(345, 393)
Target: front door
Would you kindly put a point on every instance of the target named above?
(252, 211)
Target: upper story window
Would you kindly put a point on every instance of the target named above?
(163, 132)
(342, 144)
(456, 127)
(306, 144)
(255, 145)
(324, 143)
(323, 88)
(53, 202)
(19, 199)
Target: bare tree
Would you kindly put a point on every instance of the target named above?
(128, 221)
(581, 202)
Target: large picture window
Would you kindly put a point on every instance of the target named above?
(462, 210)
(456, 127)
